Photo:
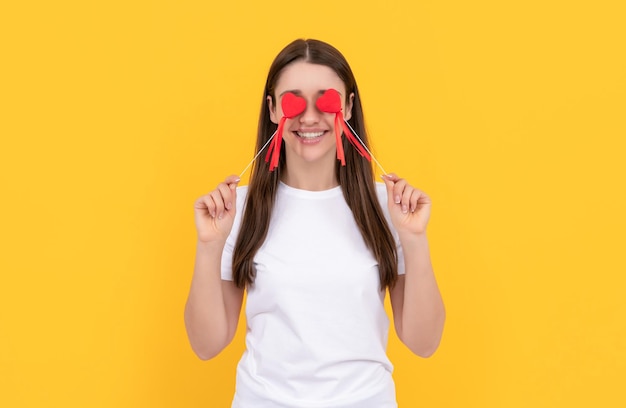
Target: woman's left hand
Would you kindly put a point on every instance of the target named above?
(409, 207)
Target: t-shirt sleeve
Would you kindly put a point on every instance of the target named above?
(381, 191)
(229, 247)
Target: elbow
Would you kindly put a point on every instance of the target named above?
(207, 350)
(422, 347)
(206, 341)
(422, 342)
(206, 346)
(425, 350)
(206, 355)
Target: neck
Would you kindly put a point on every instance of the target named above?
(310, 176)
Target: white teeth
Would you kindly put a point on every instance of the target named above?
(310, 135)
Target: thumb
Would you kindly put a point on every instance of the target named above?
(231, 180)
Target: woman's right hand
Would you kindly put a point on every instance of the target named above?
(215, 211)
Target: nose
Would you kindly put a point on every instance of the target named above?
(311, 114)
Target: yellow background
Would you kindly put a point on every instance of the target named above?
(116, 115)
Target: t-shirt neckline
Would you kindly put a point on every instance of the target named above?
(292, 191)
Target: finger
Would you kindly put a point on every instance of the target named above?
(227, 194)
(423, 199)
(205, 205)
(232, 181)
(201, 203)
(389, 186)
(233, 193)
(216, 195)
(211, 206)
(391, 176)
(415, 197)
(399, 191)
(407, 193)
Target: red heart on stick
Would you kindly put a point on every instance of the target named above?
(329, 102)
(292, 105)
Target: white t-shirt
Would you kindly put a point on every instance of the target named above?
(316, 324)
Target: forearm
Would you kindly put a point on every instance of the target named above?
(423, 312)
(206, 317)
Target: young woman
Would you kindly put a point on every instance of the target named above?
(316, 242)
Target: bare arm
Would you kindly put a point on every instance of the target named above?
(213, 305)
(418, 309)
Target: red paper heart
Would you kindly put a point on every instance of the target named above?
(292, 105)
(329, 102)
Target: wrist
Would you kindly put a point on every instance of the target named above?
(413, 238)
(210, 246)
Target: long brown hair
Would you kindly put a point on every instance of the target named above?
(356, 178)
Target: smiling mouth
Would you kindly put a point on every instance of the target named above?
(309, 135)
